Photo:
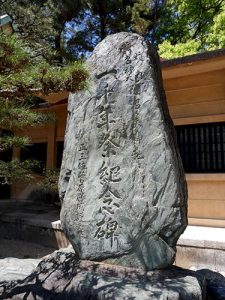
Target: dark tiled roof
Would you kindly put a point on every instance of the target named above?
(4, 20)
(192, 58)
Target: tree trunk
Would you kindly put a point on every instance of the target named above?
(102, 16)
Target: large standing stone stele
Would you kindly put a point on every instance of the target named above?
(122, 185)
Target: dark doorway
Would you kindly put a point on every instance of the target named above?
(60, 146)
(5, 156)
(36, 152)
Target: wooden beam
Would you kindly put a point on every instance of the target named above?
(195, 80)
(196, 94)
(192, 68)
(54, 97)
(200, 109)
(199, 120)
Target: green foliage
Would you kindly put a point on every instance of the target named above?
(72, 78)
(12, 54)
(50, 181)
(95, 20)
(192, 26)
(140, 16)
(19, 73)
(42, 22)
(34, 23)
(73, 28)
(43, 78)
(14, 116)
(16, 170)
(176, 27)
(168, 51)
(24, 73)
(7, 142)
(216, 35)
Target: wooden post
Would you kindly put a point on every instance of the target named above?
(16, 153)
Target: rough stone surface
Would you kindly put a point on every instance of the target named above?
(215, 284)
(122, 185)
(63, 276)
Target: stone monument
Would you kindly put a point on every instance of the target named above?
(122, 185)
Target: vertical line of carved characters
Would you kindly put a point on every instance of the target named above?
(143, 185)
(109, 195)
(82, 171)
(135, 133)
(105, 110)
(109, 175)
(137, 154)
(107, 139)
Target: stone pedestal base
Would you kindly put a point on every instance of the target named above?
(62, 276)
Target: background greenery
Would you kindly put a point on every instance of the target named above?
(28, 67)
(73, 28)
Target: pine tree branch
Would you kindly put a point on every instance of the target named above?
(17, 92)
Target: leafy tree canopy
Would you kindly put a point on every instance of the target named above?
(191, 26)
(74, 28)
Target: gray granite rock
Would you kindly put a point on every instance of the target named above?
(122, 186)
(63, 276)
(215, 284)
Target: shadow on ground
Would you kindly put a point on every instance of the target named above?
(26, 229)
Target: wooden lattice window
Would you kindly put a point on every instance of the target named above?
(202, 147)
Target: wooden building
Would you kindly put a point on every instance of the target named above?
(195, 89)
